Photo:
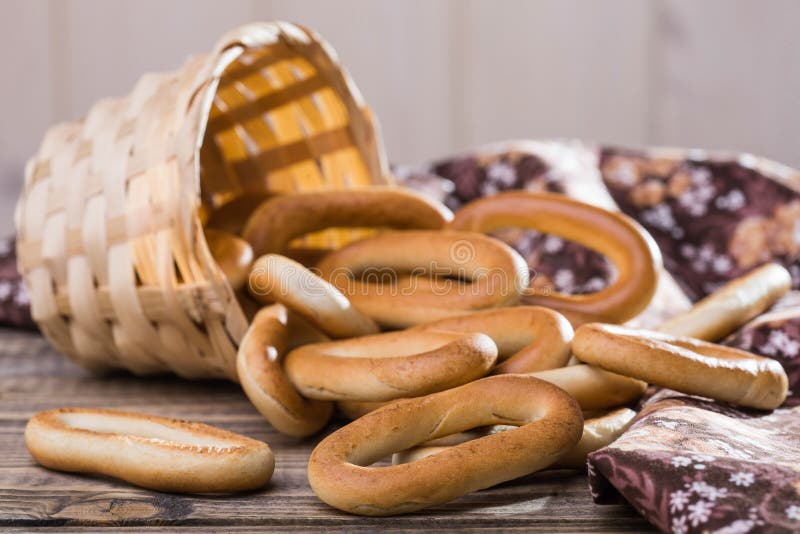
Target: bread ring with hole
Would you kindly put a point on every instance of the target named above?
(598, 432)
(402, 279)
(153, 452)
(684, 364)
(549, 422)
(626, 244)
(528, 338)
(731, 306)
(593, 388)
(388, 366)
(258, 364)
(279, 220)
(277, 278)
(232, 254)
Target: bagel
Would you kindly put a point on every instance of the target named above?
(232, 254)
(626, 244)
(598, 432)
(528, 338)
(549, 422)
(391, 365)
(733, 305)
(594, 389)
(277, 278)
(429, 275)
(152, 452)
(258, 364)
(684, 364)
(279, 220)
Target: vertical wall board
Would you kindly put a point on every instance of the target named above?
(730, 76)
(400, 54)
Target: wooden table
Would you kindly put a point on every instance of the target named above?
(33, 377)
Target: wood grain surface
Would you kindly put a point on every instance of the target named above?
(33, 378)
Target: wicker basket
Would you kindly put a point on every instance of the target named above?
(110, 241)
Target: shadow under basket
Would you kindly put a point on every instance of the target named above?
(110, 221)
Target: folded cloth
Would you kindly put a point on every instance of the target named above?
(689, 465)
(14, 302)
(692, 465)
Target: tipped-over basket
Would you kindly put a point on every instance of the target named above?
(110, 239)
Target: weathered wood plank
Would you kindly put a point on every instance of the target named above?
(33, 378)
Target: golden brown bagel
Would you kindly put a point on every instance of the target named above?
(391, 365)
(233, 255)
(731, 306)
(684, 364)
(549, 421)
(528, 338)
(232, 216)
(277, 278)
(593, 388)
(281, 219)
(407, 278)
(153, 452)
(598, 432)
(258, 364)
(629, 247)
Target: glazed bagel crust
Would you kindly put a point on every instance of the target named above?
(281, 219)
(593, 388)
(684, 364)
(232, 254)
(731, 306)
(391, 365)
(528, 338)
(598, 432)
(629, 247)
(258, 364)
(431, 268)
(153, 452)
(277, 278)
(549, 421)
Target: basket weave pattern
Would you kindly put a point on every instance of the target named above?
(110, 240)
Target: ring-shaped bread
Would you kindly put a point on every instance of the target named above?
(405, 278)
(391, 365)
(684, 364)
(281, 219)
(549, 421)
(258, 364)
(276, 278)
(528, 338)
(618, 237)
(149, 451)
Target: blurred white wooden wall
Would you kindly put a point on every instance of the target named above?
(443, 75)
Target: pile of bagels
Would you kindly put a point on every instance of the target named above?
(414, 330)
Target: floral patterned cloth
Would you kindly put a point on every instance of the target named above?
(687, 464)
(714, 219)
(692, 465)
(14, 303)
